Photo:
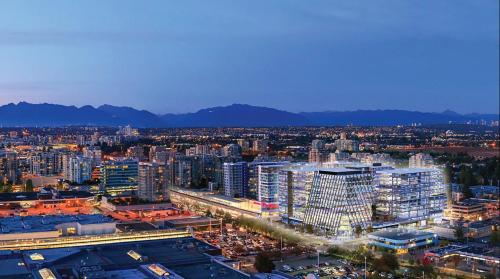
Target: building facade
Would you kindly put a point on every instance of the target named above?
(340, 202)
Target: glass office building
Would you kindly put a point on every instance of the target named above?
(409, 194)
(340, 202)
(119, 175)
(295, 184)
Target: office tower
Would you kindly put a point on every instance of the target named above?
(235, 179)
(77, 169)
(318, 153)
(136, 152)
(93, 153)
(119, 175)
(268, 184)
(340, 202)
(421, 160)
(152, 180)
(404, 194)
(244, 144)
(231, 150)
(260, 145)
(295, 183)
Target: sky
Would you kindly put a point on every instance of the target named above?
(182, 56)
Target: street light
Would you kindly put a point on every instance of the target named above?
(365, 267)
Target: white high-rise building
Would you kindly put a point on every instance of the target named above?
(77, 169)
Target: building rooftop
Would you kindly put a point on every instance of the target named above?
(404, 171)
(18, 224)
(187, 257)
(401, 234)
(339, 171)
(33, 196)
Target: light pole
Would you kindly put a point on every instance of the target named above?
(318, 260)
(281, 249)
(365, 267)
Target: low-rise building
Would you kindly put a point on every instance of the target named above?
(402, 240)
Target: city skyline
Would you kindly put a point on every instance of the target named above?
(179, 58)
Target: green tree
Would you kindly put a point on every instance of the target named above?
(459, 233)
(264, 263)
(495, 238)
(309, 229)
(29, 185)
(358, 230)
(227, 218)
(386, 263)
(208, 213)
(374, 212)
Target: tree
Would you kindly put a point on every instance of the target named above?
(495, 238)
(459, 233)
(386, 263)
(358, 230)
(369, 229)
(29, 185)
(374, 212)
(227, 218)
(309, 229)
(208, 213)
(264, 263)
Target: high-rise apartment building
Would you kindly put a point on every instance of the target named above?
(421, 160)
(268, 183)
(260, 145)
(231, 150)
(152, 181)
(235, 179)
(77, 169)
(318, 152)
(136, 152)
(93, 153)
(9, 167)
(45, 163)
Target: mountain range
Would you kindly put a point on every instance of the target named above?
(25, 114)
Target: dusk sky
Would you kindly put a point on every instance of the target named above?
(181, 56)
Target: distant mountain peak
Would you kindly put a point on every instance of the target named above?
(234, 115)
